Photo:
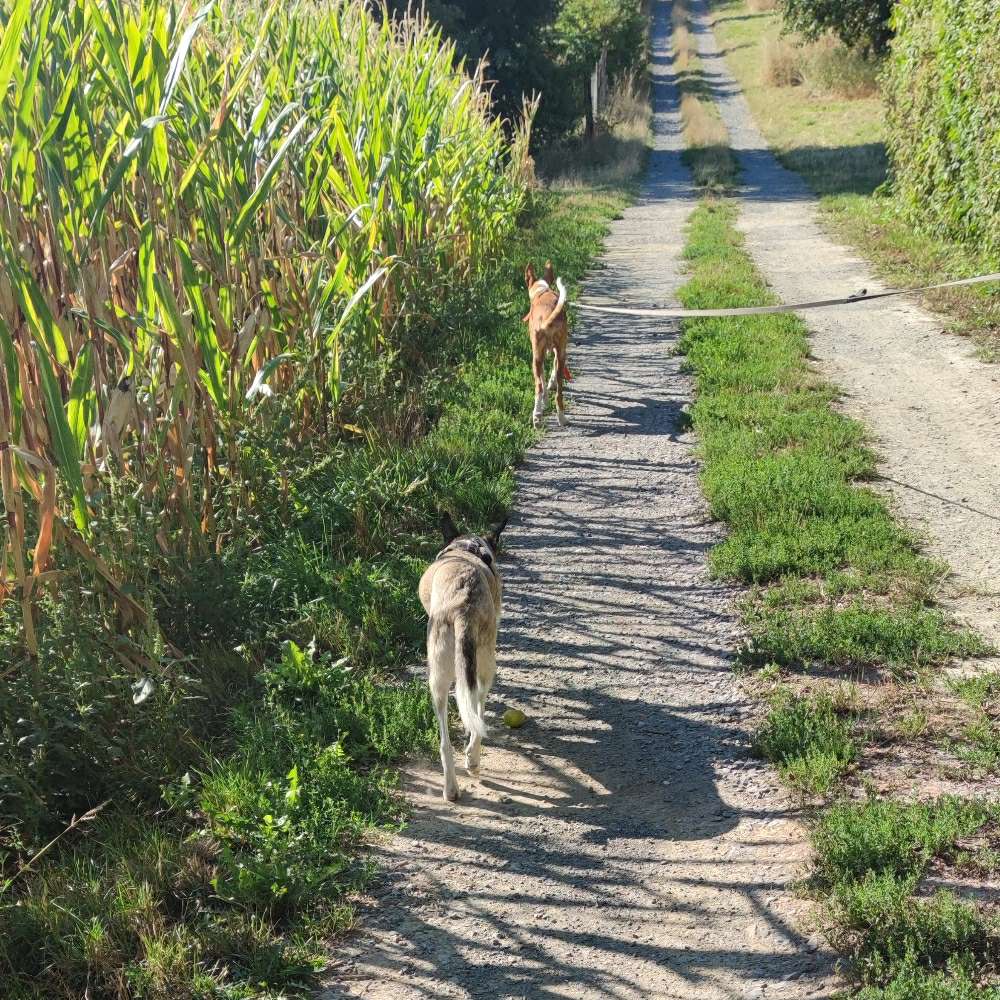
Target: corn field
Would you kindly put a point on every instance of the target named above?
(212, 221)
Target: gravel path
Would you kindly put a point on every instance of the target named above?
(933, 407)
(624, 843)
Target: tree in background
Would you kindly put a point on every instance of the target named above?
(549, 46)
(514, 35)
(584, 30)
(859, 24)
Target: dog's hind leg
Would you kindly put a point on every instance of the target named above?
(472, 752)
(487, 668)
(554, 377)
(557, 370)
(541, 395)
(440, 674)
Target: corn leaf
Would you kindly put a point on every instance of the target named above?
(63, 445)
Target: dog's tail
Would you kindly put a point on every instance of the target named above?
(467, 680)
(560, 305)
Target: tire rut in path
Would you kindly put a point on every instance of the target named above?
(933, 407)
(624, 843)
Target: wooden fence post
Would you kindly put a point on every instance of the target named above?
(597, 92)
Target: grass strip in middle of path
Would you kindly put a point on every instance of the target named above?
(838, 579)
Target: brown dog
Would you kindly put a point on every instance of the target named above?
(548, 330)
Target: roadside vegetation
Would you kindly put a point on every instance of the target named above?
(831, 113)
(843, 581)
(843, 645)
(545, 47)
(260, 324)
(891, 749)
(239, 789)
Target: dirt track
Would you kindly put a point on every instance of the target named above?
(624, 843)
(932, 406)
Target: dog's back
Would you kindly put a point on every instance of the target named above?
(547, 321)
(462, 600)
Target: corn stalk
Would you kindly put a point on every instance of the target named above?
(208, 220)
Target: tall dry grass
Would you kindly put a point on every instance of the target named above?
(825, 67)
(215, 224)
(618, 153)
(711, 160)
(781, 63)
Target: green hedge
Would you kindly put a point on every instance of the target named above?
(942, 88)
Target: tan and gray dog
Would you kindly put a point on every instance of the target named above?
(461, 592)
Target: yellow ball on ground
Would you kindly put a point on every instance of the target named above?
(514, 718)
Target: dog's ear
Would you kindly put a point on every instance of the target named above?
(550, 273)
(448, 530)
(493, 535)
(529, 275)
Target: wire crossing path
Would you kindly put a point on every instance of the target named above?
(672, 312)
(624, 843)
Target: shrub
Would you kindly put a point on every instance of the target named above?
(782, 63)
(892, 837)
(942, 89)
(584, 29)
(881, 907)
(832, 68)
(904, 944)
(862, 24)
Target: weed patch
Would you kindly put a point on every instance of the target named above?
(892, 838)
(870, 860)
(808, 740)
(979, 743)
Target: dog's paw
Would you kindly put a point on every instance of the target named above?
(536, 422)
(563, 422)
(452, 794)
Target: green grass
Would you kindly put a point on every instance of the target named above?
(810, 743)
(837, 144)
(979, 744)
(870, 861)
(886, 837)
(983, 859)
(783, 471)
(904, 637)
(243, 780)
(977, 690)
